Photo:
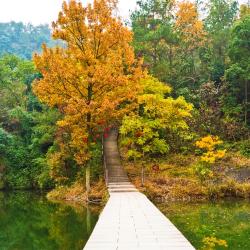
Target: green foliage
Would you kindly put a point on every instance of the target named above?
(96, 160)
(26, 133)
(145, 131)
(209, 68)
(219, 63)
(245, 148)
(238, 74)
(154, 38)
(203, 171)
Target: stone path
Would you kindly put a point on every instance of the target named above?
(129, 220)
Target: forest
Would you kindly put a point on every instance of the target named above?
(175, 80)
(23, 39)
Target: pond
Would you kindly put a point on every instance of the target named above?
(29, 221)
(228, 220)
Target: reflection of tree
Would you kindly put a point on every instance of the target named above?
(28, 221)
(226, 220)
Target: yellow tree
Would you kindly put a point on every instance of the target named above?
(189, 26)
(145, 130)
(192, 37)
(93, 79)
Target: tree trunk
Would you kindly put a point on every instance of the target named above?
(87, 179)
(142, 175)
(246, 102)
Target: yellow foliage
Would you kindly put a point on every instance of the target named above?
(91, 78)
(209, 144)
(211, 242)
(152, 85)
(189, 25)
(142, 130)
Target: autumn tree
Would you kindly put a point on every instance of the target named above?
(244, 10)
(91, 78)
(145, 131)
(190, 30)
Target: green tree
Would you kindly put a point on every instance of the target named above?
(238, 74)
(154, 38)
(218, 24)
(27, 128)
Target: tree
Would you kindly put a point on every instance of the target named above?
(218, 24)
(238, 74)
(192, 36)
(90, 80)
(154, 37)
(244, 10)
(145, 131)
(210, 154)
(169, 36)
(189, 27)
(27, 128)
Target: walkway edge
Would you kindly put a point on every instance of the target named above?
(130, 221)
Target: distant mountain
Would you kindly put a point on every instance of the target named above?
(23, 40)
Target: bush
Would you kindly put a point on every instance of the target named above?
(245, 148)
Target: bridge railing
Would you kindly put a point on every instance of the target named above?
(104, 163)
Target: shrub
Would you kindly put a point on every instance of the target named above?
(245, 148)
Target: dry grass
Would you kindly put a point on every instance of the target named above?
(175, 178)
(77, 193)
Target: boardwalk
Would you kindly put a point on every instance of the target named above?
(129, 220)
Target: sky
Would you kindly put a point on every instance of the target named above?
(44, 11)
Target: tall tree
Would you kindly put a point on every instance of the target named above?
(238, 74)
(90, 80)
(169, 36)
(192, 36)
(154, 38)
(218, 23)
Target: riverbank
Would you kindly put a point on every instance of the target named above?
(174, 178)
(77, 193)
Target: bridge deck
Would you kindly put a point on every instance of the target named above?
(129, 220)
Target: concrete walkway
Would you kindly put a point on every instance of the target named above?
(129, 220)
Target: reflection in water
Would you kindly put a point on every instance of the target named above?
(228, 220)
(28, 221)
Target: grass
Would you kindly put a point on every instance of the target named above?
(173, 178)
(77, 193)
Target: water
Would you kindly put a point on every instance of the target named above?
(28, 221)
(227, 220)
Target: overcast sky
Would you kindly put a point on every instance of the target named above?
(45, 11)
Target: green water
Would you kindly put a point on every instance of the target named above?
(29, 222)
(227, 220)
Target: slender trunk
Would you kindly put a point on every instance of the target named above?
(246, 102)
(87, 182)
(170, 58)
(142, 175)
(89, 129)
